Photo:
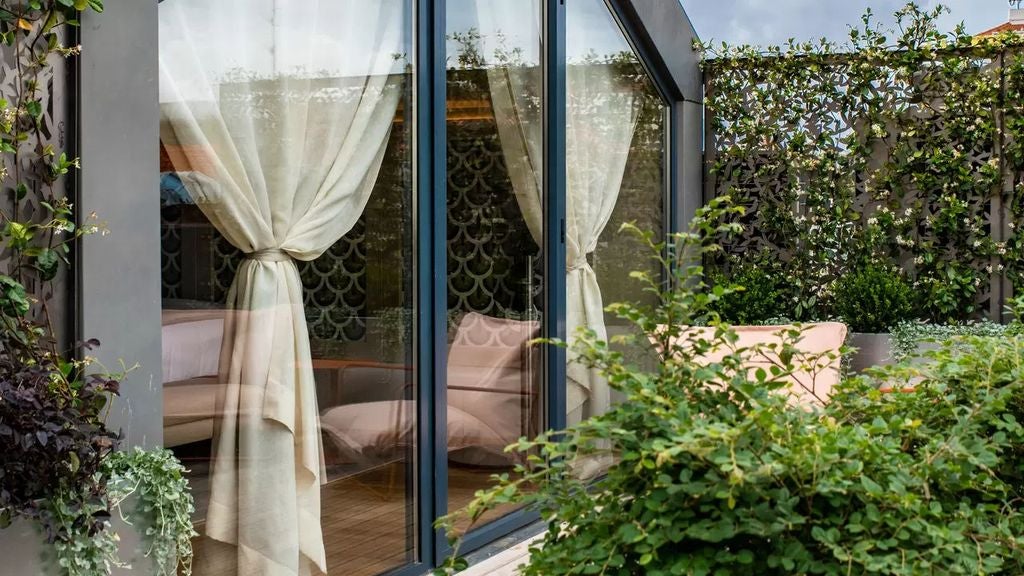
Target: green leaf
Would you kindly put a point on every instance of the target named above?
(47, 262)
(34, 108)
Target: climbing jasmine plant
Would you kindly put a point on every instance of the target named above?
(59, 464)
(899, 148)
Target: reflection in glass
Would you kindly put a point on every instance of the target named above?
(495, 233)
(286, 195)
(615, 164)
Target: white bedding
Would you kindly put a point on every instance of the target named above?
(191, 343)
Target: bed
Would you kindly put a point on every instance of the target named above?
(191, 341)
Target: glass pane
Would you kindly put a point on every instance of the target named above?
(286, 193)
(495, 232)
(616, 135)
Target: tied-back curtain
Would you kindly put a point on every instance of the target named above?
(276, 114)
(601, 116)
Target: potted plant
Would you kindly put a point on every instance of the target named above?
(60, 471)
(913, 339)
(871, 300)
(762, 294)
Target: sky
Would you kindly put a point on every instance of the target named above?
(765, 22)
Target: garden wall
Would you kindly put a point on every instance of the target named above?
(908, 152)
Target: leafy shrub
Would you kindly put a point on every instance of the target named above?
(51, 434)
(762, 294)
(873, 299)
(57, 465)
(907, 336)
(716, 473)
(951, 296)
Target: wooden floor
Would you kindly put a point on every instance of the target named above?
(367, 521)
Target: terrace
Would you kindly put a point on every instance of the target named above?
(425, 286)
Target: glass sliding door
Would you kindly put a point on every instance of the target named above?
(616, 171)
(495, 225)
(287, 204)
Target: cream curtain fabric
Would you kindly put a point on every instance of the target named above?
(276, 113)
(510, 32)
(600, 122)
(602, 113)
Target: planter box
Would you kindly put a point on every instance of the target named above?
(872, 350)
(23, 551)
(921, 349)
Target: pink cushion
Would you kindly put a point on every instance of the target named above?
(486, 375)
(489, 397)
(807, 386)
(378, 428)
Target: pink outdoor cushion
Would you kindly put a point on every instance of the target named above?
(807, 388)
(488, 395)
(486, 375)
(372, 429)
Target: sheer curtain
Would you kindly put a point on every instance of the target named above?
(276, 114)
(601, 117)
(600, 120)
(516, 84)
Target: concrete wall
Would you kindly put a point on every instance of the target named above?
(119, 274)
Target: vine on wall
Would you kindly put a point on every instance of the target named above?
(902, 148)
(58, 465)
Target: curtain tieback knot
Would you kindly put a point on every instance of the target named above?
(577, 264)
(269, 255)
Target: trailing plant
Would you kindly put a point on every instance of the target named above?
(716, 472)
(907, 337)
(888, 147)
(873, 299)
(146, 489)
(154, 480)
(58, 467)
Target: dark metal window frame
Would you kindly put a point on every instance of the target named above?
(117, 113)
